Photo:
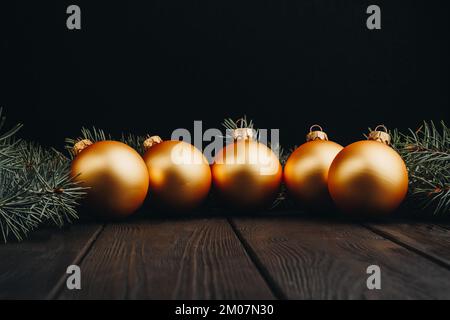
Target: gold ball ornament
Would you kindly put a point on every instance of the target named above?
(246, 173)
(306, 170)
(368, 177)
(115, 174)
(180, 176)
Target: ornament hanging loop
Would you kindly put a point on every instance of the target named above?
(379, 135)
(317, 134)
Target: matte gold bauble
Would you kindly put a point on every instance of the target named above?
(180, 176)
(368, 177)
(306, 171)
(115, 174)
(247, 174)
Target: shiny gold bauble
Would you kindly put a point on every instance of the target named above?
(180, 176)
(116, 176)
(247, 174)
(368, 178)
(306, 173)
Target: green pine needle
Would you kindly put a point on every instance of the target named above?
(426, 152)
(95, 135)
(36, 187)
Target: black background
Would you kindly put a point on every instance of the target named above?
(153, 66)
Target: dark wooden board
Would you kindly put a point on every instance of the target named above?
(445, 225)
(31, 269)
(430, 240)
(172, 259)
(313, 259)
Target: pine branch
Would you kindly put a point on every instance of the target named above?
(6, 135)
(134, 141)
(15, 217)
(8, 149)
(95, 135)
(426, 152)
(35, 187)
(38, 189)
(282, 200)
(49, 173)
(231, 124)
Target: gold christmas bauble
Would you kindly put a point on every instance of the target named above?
(247, 174)
(368, 177)
(115, 174)
(306, 171)
(180, 176)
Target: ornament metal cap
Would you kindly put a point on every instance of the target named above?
(151, 141)
(380, 136)
(81, 145)
(243, 134)
(316, 134)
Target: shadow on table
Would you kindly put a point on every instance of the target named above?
(148, 212)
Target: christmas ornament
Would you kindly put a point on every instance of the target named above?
(180, 177)
(115, 174)
(368, 177)
(246, 173)
(306, 170)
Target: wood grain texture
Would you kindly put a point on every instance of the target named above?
(174, 259)
(309, 259)
(430, 240)
(31, 269)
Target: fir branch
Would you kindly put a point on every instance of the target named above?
(240, 123)
(6, 135)
(15, 217)
(38, 189)
(35, 187)
(426, 152)
(95, 135)
(134, 141)
(48, 170)
(282, 200)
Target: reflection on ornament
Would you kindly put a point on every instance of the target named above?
(368, 177)
(306, 170)
(115, 174)
(180, 176)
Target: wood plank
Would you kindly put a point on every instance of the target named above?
(315, 259)
(31, 269)
(445, 225)
(169, 259)
(430, 240)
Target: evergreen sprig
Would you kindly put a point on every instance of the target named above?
(231, 124)
(426, 152)
(135, 141)
(35, 187)
(8, 134)
(95, 135)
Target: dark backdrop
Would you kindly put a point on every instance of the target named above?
(152, 66)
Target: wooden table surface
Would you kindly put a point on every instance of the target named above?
(264, 257)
